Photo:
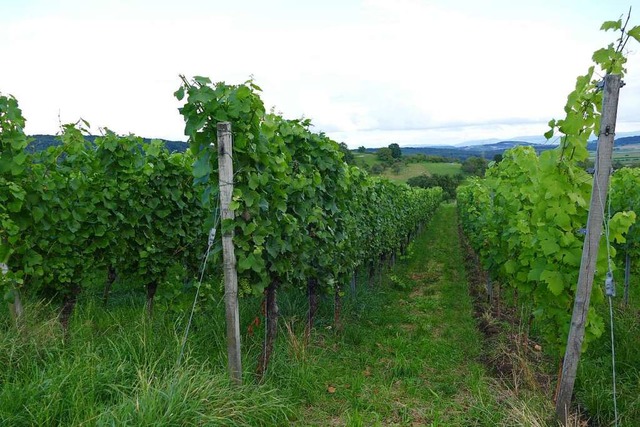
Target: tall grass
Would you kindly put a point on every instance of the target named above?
(120, 369)
(594, 388)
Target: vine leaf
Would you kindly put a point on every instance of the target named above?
(635, 33)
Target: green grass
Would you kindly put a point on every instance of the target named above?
(594, 388)
(368, 159)
(410, 170)
(120, 369)
(623, 155)
(417, 169)
(408, 354)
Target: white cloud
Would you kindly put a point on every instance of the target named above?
(352, 67)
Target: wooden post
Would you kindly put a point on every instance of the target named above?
(489, 290)
(15, 307)
(312, 295)
(225, 169)
(354, 279)
(591, 244)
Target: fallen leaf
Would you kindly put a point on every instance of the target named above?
(367, 371)
(331, 389)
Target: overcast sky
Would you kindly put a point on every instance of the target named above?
(368, 72)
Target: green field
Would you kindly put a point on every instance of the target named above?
(416, 169)
(366, 159)
(623, 155)
(410, 170)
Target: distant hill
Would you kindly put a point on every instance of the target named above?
(489, 150)
(42, 142)
(624, 141)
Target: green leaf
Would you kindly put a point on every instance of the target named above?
(555, 282)
(635, 33)
(603, 56)
(549, 247)
(611, 25)
(202, 166)
(202, 80)
(254, 181)
(243, 92)
(510, 266)
(571, 125)
(9, 296)
(20, 158)
(179, 93)
(619, 225)
(38, 214)
(5, 251)
(537, 268)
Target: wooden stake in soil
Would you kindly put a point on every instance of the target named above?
(68, 304)
(337, 309)
(354, 280)
(225, 169)
(111, 277)
(312, 295)
(591, 244)
(152, 288)
(15, 307)
(271, 312)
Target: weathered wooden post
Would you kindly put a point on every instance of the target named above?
(225, 173)
(591, 244)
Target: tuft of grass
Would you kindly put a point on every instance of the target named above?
(194, 396)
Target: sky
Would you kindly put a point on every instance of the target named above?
(367, 73)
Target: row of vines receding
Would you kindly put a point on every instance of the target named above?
(527, 218)
(118, 209)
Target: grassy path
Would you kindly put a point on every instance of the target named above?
(410, 355)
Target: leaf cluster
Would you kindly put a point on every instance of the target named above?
(301, 211)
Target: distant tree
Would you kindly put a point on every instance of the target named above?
(377, 169)
(347, 155)
(438, 159)
(362, 149)
(384, 154)
(396, 168)
(497, 158)
(396, 152)
(417, 158)
(448, 183)
(475, 166)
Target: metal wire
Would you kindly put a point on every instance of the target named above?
(606, 219)
(613, 363)
(212, 236)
